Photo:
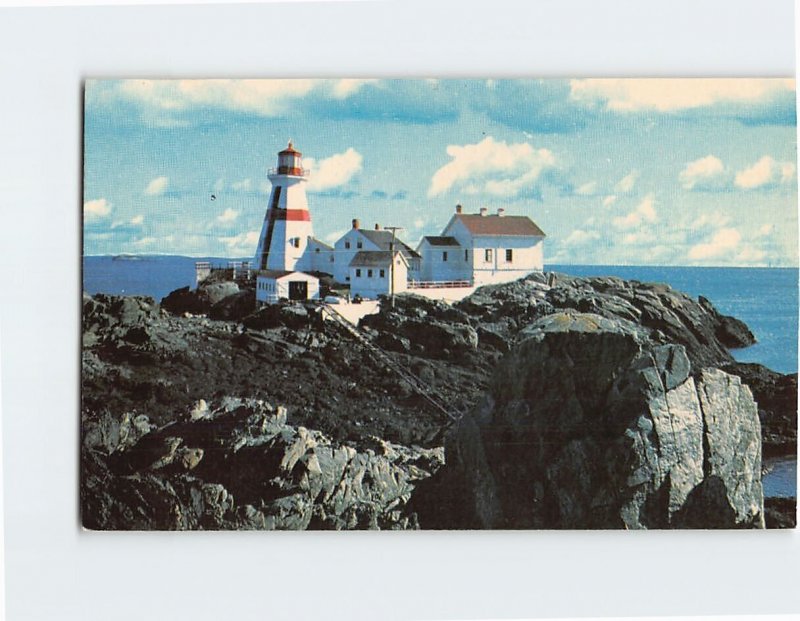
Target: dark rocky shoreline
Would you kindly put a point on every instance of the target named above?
(320, 434)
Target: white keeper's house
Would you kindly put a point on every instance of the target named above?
(482, 249)
(358, 240)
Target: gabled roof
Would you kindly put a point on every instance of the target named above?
(374, 258)
(435, 240)
(321, 243)
(382, 239)
(521, 226)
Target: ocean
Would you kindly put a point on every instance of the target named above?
(766, 299)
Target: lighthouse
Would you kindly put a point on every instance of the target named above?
(287, 224)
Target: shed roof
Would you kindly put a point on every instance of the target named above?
(438, 240)
(373, 258)
(278, 274)
(521, 226)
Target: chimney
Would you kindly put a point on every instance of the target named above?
(458, 208)
(356, 223)
(377, 227)
(484, 211)
(501, 212)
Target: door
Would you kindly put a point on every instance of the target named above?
(298, 290)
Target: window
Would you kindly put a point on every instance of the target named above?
(359, 244)
(488, 255)
(347, 245)
(509, 255)
(369, 273)
(331, 258)
(358, 273)
(383, 273)
(466, 255)
(316, 249)
(444, 257)
(296, 242)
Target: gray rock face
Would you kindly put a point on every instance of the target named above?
(240, 465)
(591, 425)
(430, 327)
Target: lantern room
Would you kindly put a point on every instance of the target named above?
(290, 162)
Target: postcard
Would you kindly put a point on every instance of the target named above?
(439, 304)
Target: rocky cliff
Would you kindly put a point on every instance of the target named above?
(590, 402)
(589, 424)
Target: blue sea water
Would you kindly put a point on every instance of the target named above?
(153, 275)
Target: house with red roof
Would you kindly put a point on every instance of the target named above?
(482, 249)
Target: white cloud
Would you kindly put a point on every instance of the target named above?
(241, 245)
(262, 97)
(765, 173)
(765, 230)
(721, 243)
(229, 215)
(419, 223)
(670, 95)
(587, 189)
(639, 238)
(751, 255)
(714, 220)
(137, 220)
(644, 212)
(241, 186)
(490, 166)
(334, 236)
(344, 88)
(157, 186)
(705, 173)
(626, 184)
(145, 242)
(609, 200)
(333, 171)
(579, 237)
(96, 209)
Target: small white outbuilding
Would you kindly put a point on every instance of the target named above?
(272, 286)
(371, 273)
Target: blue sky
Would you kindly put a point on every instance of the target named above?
(629, 172)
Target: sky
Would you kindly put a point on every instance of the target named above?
(616, 172)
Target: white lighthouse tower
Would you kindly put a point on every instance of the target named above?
(287, 224)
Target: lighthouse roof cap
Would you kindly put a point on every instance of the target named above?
(290, 150)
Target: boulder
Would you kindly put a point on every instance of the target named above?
(589, 424)
(199, 301)
(234, 307)
(278, 315)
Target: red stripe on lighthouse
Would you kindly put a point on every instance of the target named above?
(293, 215)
